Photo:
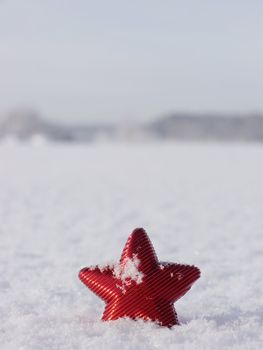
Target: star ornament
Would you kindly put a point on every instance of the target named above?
(140, 286)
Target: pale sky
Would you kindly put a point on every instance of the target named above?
(109, 60)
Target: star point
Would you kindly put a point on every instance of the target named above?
(140, 286)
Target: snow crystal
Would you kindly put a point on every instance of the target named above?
(179, 275)
(128, 271)
(102, 267)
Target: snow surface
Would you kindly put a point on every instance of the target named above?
(63, 207)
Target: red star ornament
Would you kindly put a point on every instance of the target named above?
(140, 286)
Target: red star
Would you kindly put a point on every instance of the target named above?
(140, 286)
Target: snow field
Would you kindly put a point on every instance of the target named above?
(63, 207)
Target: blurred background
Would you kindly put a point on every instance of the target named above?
(131, 70)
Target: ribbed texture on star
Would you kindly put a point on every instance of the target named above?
(140, 286)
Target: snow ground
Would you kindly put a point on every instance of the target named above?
(63, 207)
